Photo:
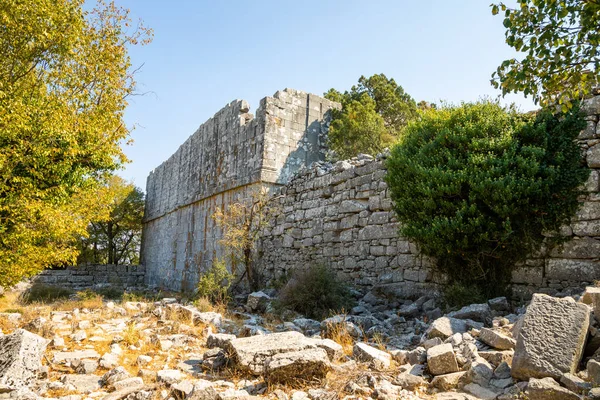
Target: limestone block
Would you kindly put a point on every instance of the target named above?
(252, 352)
(441, 359)
(445, 327)
(364, 352)
(585, 247)
(476, 312)
(593, 156)
(551, 339)
(447, 381)
(548, 389)
(497, 340)
(572, 270)
(20, 357)
(303, 365)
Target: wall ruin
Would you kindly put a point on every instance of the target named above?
(339, 215)
(229, 156)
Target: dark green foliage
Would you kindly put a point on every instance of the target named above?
(39, 293)
(316, 293)
(373, 114)
(457, 295)
(475, 186)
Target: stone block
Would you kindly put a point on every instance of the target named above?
(20, 358)
(551, 339)
(572, 270)
(364, 352)
(441, 359)
(497, 340)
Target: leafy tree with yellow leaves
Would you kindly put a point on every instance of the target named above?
(116, 239)
(65, 76)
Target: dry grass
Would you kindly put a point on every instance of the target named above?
(340, 334)
(131, 335)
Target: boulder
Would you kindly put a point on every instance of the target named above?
(575, 383)
(480, 392)
(218, 340)
(476, 312)
(409, 381)
(20, 357)
(445, 327)
(551, 339)
(364, 352)
(441, 359)
(447, 381)
(251, 353)
(257, 301)
(548, 389)
(497, 340)
(593, 370)
(303, 365)
(499, 304)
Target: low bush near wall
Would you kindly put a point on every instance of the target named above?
(476, 186)
(316, 292)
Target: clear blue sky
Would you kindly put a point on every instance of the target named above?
(207, 53)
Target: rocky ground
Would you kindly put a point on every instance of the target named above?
(142, 350)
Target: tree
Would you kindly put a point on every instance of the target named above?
(477, 186)
(242, 223)
(65, 76)
(560, 40)
(373, 114)
(117, 239)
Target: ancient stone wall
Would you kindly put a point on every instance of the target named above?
(228, 157)
(340, 215)
(94, 276)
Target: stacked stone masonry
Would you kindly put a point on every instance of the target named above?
(339, 215)
(94, 277)
(230, 156)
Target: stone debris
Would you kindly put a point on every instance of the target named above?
(478, 352)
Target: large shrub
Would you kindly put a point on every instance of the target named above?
(475, 186)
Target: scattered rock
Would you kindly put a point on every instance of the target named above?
(548, 389)
(364, 352)
(441, 359)
(447, 381)
(445, 327)
(496, 339)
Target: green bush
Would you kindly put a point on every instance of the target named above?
(475, 186)
(315, 293)
(39, 293)
(457, 295)
(214, 284)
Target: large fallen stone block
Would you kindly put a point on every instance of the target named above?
(551, 339)
(251, 353)
(297, 366)
(548, 389)
(20, 357)
(476, 312)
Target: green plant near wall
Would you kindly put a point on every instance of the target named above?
(477, 185)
